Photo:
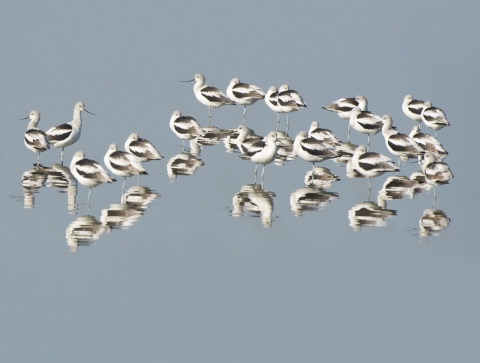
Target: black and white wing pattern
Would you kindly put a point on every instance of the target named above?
(434, 118)
(144, 150)
(187, 125)
(291, 99)
(438, 173)
(249, 91)
(317, 148)
(213, 94)
(376, 162)
(91, 170)
(255, 148)
(369, 121)
(342, 105)
(59, 133)
(36, 140)
(401, 143)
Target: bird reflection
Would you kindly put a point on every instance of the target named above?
(310, 199)
(183, 164)
(56, 176)
(256, 200)
(345, 152)
(369, 214)
(422, 185)
(213, 136)
(83, 231)
(285, 150)
(396, 187)
(432, 222)
(320, 177)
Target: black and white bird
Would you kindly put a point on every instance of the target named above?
(246, 138)
(312, 150)
(324, 135)
(428, 143)
(67, 134)
(434, 117)
(271, 101)
(142, 149)
(289, 100)
(122, 163)
(263, 151)
(208, 95)
(35, 140)
(88, 172)
(400, 145)
(365, 122)
(413, 108)
(371, 164)
(185, 127)
(343, 106)
(244, 94)
(436, 172)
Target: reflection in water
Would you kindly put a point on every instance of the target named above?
(422, 185)
(56, 176)
(432, 221)
(255, 200)
(396, 187)
(83, 231)
(284, 149)
(310, 199)
(368, 214)
(322, 177)
(183, 164)
(345, 152)
(213, 135)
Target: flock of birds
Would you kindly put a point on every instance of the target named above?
(314, 146)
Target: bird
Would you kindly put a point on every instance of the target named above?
(123, 164)
(428, 143)
(142, 149)
(413, 108)
(371, 164)
(365, 122)
(244, 94)
(246, 137)
(434, 117)
(88, 172)
(323, 135)
(67, 134)
(311, 150)
(436, 172)
(271, 101)
(343, 106)
(35, 140)
(185, 127)
(263, 152)
(289, 100)
(208, 95)
(399, 144)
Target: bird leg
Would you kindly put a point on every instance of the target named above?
(348, 132)
(244, 113)
(61, 157)
(263, 172)
(278, 121)
(255, 173)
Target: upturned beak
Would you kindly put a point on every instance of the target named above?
(25, 118)
(189, 80)
(89, 112)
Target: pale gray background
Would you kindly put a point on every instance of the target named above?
(188, 282)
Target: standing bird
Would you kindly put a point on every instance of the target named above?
(35, 140)
(88, 172)
(244, 94)
(365, 122)
(413, 108)
(208, 95)
(344, 106)
(142, 149)
(312, 150)
(185, 127)
(271, 101)
(67, 134)
(263, 152)
(428, 143)
(246, 138)
(436, 172)
(371, 164)
(123, 164)
(434, 117)
(323, 135)
(398, 144)
(289, 100)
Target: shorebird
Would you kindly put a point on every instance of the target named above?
(246, 138)
(123, 164)
(35, 140)
(67, 134)
(323, 135)
(413, 108)
(434, 117)
(343, 106)
(244, 94)
(312, 150)
(365, 122)
(371, 164)
(428, 143)
(88, 172)
(263, 152)
(271, 101)
(289, 100)
(208, 95)
(142, 149)
(185, 127)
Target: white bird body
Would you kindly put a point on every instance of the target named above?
(289, 100)
(413, 108)
(428, 143)
(122, 163)
(35, 139)
(436, 172)
(343, 106)
(371, 164)
(88, 172)
(142, 149)
(323, 135)
(365, 121)
(246, 138)
(263, 151)
(399, 144)
(271, 100)
(310, 149)
(244, 93)
(434, 117)
(185, 127)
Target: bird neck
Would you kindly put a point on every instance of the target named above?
(33, 123)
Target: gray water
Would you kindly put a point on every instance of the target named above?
(188, 271)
